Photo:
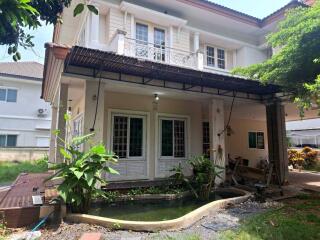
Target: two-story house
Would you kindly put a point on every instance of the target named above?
(25, 119)
(152, 80)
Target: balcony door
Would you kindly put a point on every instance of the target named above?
(153, 48)
(142, 40)
(159, 45)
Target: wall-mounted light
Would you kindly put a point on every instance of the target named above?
(156, 98)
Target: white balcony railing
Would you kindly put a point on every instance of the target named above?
(159, 53)
(123, 45)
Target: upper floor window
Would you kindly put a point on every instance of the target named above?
(142, 40)
(8, 140)
(8, 95)
(221, 59)
(216, 57)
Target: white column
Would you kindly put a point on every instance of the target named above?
(196, 49)
(62, 110)
(53, 138)
(91, 99)
(133, 27)
(199, 60)
(94, 27)
(218, 135)
(196, 41)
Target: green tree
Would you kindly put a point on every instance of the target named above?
(296, 67)
(18, 15)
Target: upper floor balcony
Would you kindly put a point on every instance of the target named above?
(159, 37)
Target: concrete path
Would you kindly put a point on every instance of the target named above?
(306, 180)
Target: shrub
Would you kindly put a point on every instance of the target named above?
(295, 157)
(205, 172)
(310, 156)
(306, 157)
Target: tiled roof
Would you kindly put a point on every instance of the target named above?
(31, 70)
(209, 5)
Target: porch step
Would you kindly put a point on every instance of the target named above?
(136, 184)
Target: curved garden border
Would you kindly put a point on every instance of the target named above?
(174, 224)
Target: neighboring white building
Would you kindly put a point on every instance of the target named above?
(304, 133)
(24, 117)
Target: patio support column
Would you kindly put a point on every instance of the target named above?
(217, 134)
(62, 110)
(277, 142)
(53, 138)
(95, 27)
(94, 120)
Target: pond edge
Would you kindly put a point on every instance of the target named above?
(154, 226)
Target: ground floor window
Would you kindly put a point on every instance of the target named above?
(256, 140)
(128, 136)
(173, 137)
(8, 140)
(206, 139)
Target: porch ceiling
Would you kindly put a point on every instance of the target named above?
(107, 61)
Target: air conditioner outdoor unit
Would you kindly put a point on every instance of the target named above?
(42, 112)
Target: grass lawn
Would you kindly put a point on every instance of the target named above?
(10, 170)
(299, 219)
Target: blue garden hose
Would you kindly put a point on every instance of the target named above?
(43, 220)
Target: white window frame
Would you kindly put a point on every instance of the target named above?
(144, 135)
(6, 141)
(264, 140)
(151, 28)
(216, 57)
(185, 120)
(6, 95)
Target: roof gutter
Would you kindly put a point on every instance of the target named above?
(54, 52)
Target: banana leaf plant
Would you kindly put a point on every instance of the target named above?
(205, 173)
(81, 172)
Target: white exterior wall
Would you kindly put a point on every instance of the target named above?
(21, 117)
(248, 55)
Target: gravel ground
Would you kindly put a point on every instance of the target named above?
(207, 228)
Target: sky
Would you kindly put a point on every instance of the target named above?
(256, 8)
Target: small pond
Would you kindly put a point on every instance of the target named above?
(155, 210)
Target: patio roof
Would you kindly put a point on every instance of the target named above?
(111, 62)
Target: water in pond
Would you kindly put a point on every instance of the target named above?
(154, 210)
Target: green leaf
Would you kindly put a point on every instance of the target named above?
(78, 9)
(78, 174)
(67, 117)
(65, 153)
(98, 149)
(111, 170)
(93, 9)
(89, 178)
(56, 132)
(81, 139)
